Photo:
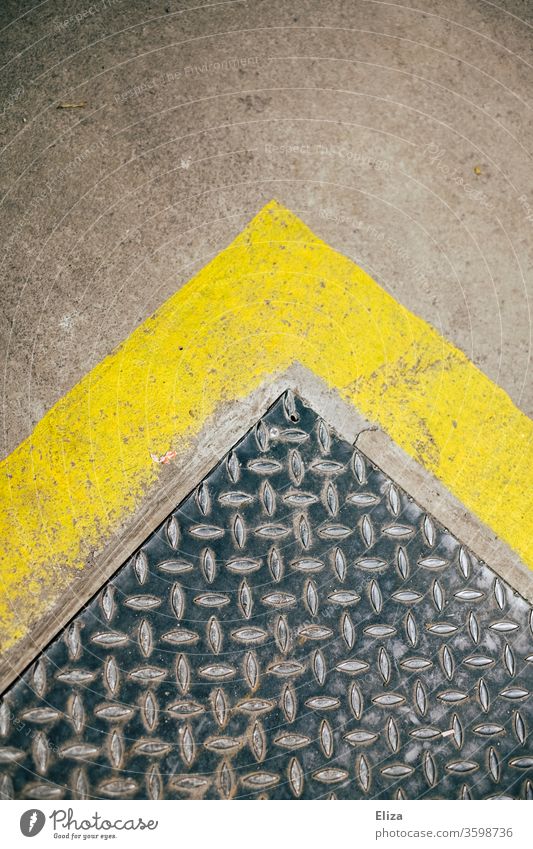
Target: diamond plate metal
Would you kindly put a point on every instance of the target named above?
(297, 628)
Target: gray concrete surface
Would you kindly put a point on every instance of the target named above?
(399, 132)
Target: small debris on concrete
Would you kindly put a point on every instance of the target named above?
(81, 104)
(165, 458)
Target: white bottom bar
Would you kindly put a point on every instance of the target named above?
(247, 825)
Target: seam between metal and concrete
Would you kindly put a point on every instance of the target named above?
(84, 490)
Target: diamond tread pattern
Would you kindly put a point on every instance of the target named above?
(299, 629)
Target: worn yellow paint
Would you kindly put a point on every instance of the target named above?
(276, 295)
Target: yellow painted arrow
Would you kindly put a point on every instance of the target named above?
(276, 295)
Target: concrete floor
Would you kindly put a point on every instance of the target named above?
(397, 131)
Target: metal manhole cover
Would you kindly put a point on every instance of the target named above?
(297, 628)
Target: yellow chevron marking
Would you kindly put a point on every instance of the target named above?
(276, 295)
